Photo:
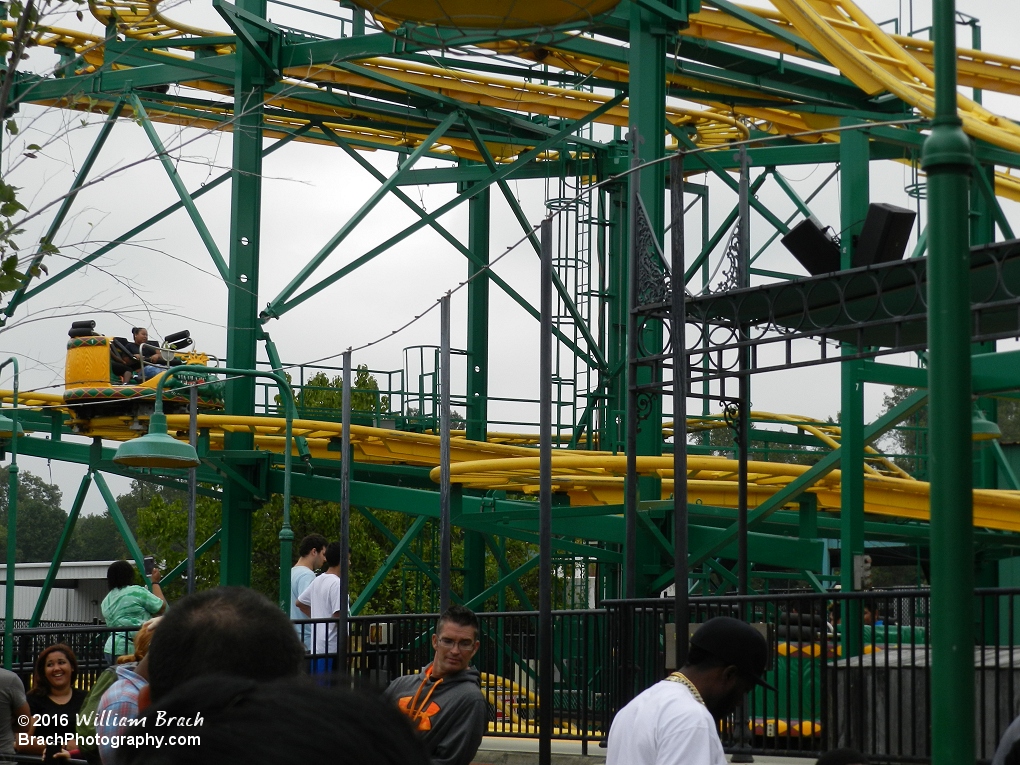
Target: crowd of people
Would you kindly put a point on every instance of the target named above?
(223, 676)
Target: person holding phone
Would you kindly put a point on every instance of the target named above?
(128, 605)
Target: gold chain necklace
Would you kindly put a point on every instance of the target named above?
(680, 677)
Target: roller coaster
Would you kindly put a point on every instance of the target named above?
(800, 82)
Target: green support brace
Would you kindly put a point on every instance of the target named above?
(242, 296)
(179, 187)
(148, 223)
(364, 210)
(505, 171)
(182, 567)
(58, 554)
(477, 369)
(398, 551)
(65, 207)
(947, 159)
(793, 490)
(647, 118)
(122, 526)
(498, 552)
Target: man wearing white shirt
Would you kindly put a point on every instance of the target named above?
(311, 556)
(676, 721)
(322, 601)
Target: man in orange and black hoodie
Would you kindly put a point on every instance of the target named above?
(445, 701)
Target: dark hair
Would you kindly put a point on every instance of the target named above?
(120, 574)
(226, 630)
(40, 685)
(333, 554)
(311, 542)
(460, 615)
(136, 330)
(292, 720)
(842, 757)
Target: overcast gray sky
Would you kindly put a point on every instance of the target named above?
(166, 280)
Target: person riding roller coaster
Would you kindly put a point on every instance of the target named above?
(130, 357)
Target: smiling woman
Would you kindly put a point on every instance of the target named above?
(54, 702)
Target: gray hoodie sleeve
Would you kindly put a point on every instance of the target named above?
(461, 743)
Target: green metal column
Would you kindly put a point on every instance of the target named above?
(478, 318)
(647, 115)
(478, 370)
(947, 160)
(854, 196)
(242, 295)
(982, 231)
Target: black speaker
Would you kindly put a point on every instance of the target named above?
(816, 250)
(885, 234)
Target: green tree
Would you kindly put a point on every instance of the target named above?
(40, 517)
(96, 537)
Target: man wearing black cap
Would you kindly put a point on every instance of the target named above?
(677, 720)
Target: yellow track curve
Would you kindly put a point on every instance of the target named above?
(589, 478)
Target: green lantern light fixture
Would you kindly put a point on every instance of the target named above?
(8, 427)
(983, 429)
(157, 449)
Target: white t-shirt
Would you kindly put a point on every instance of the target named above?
(301, 578)
(664, 725)
(323, 598)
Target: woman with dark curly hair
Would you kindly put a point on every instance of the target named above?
(54, 702)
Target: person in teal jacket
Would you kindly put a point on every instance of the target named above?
(128, 605)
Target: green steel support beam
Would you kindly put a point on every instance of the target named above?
(502, 584)
(179, 187)
(182, 567)
(389, 564)
(475, 262)
(720, 232)
(1005, 468)
(242, 297)
(420, 564)
(505, 570)
(65, 206)
(369, 205)
(647, 122)
(792, 491)
(802, 206)
(528, 228)
(478, 318)
(985, 178)
(854, 197)
(710, 161)
(764, 25)
(477, 369)
(122, 526)
(164, 213)
(58, 554)
(947, 159)
(504, 171)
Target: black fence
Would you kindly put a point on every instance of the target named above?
(850, 670)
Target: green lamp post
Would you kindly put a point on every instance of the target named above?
(157, 449)
(9, 428)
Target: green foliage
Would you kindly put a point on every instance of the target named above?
(40, 517)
